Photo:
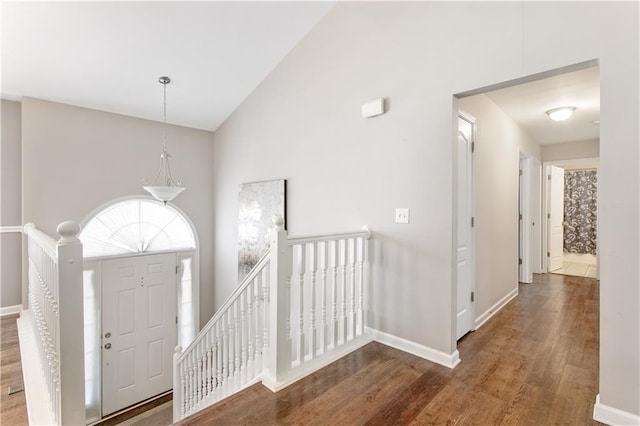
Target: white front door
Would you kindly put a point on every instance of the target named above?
(138, 329)
(464, 256)
(556, 217)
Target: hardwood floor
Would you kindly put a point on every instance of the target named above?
(13, 408)
(535, 362)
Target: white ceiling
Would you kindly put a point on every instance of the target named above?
(109, 55)
(527, 105)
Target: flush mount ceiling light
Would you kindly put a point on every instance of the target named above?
(164, 188)
(561, 114)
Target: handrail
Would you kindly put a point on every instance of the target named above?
(238, 290)
(42, 239)
(365, 233)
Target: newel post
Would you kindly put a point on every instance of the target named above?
(71, 325)
(177, 386)
(279, 357)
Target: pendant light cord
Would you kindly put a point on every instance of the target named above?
(164, 132)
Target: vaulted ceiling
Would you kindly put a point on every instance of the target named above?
(109, 55)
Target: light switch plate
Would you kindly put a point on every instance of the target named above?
(402, 215)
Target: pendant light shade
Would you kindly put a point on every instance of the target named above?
(164, 188)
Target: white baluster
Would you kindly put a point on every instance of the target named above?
(313, 264)
(198, 354)
(343, 290)
(177, 380)
(243, 340)
(334, 292)
(225, 350)
(250, 332)
(324, 253)
(236, 340)
(219, 356)
(352, 293)
(361, 286)
(257, 294)
(300, 353)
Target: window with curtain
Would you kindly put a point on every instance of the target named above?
(580, 210)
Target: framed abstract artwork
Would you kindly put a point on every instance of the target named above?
(258, 204)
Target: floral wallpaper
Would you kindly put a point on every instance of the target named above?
(580, 210)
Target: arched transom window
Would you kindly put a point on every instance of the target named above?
(136, 226)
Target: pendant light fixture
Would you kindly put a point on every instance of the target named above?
(164, 188)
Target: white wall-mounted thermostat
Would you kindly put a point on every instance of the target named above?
(373, 108)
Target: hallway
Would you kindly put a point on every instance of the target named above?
(535, 362)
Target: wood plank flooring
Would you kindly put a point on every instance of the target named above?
(13, 408)
(534, 363)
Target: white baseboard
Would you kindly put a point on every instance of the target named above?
(430, 354)
(36, 395)
(613, 416)
(10, 310)
(316, 364)
(495, 308)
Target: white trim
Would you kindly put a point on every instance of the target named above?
(10, 229)
(613, 416)
(10, 310)
(39, 408)
(312, 366)
(425, 352)
(495, 308)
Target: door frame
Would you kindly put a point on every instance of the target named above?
(529, 239)
(93, 333)
(176, 305)
(546, 208)
(472, 254)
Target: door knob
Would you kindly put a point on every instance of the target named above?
(107, 346)
(107, 335)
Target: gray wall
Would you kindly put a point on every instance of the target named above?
(303, 123)
(10, 206)
(76, 159)
(498, 142)
(571, 150)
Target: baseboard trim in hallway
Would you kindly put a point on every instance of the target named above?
(495, 308)
(613, 416)
(430, 354)
(10, 310)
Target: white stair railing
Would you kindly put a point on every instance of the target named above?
(228, 353)
(301, 307)
(55, 304)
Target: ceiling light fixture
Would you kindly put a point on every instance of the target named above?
(164, 188)
(561, 114)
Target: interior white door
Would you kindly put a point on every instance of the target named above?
(464, 256)
(556, 217)
(138, 328)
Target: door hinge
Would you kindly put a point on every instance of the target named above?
(548, 254)
(473, 296)
(519, 261)
(548, 177)
(520, 172)
(473, 222)
(520, 216)
(177, 269)
(548, 215)
(473, 147)
(176, 319)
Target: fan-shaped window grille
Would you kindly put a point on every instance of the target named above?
(136, 226)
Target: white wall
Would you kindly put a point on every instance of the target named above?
(303, 123)
(10, 206)
(498, 143)
(76, 159)
(571, 150)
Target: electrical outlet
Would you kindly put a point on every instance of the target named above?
(402, 215)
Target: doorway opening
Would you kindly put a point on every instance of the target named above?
(141, 297)
(572, 200)
(515, 139)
